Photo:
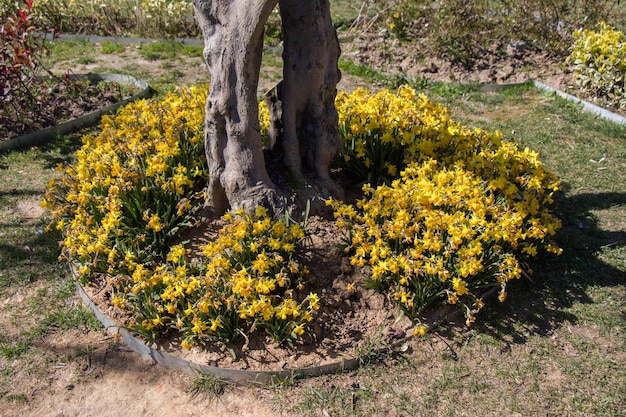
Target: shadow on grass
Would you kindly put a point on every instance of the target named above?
(27, 253)
(540, 304)
(18, 193)
(62, 150)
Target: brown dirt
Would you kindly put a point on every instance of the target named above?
(393, 56)
(58, 101)
(111, 381)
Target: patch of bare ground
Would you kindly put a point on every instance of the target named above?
(89, 374)
(518, 64)
(29, 210)
(391, 55)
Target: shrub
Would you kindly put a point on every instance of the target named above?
(598, 61)
(157, 18)
(464, 214)
(464, 32)
(20, 53)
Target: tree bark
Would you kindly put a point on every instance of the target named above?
(233, 45)
(304, 101)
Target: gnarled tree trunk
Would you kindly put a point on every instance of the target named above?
(304, 102)
(304, 117)
(233, 45)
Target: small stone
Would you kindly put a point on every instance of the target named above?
(516, 48)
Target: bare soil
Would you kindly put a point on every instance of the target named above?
(391, 55)
(58, 100)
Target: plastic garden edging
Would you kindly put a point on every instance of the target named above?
(225, 374)
(588, 107)
(44, 136)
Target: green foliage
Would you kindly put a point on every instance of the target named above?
(273, 29)
(371, 75)
(79, 317)
(397, 25)
(193, 50)
(598, 62)
(465, 31)
(153, 51)
(21, 51)
(110, 47)
(207, 385)
(12, 350)
(168, 49)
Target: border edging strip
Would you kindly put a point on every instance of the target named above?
(46, 135)
(230, 375)
(588, 107)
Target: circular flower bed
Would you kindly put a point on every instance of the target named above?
(448, 212)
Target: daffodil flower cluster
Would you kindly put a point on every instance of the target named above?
(396, 25)
(598, 61)
(252, 280)
(386, 131)
(133, 185)
(460, 211)
(247, 280)
(464, 213)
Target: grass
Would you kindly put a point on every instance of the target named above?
(35, 289)
(371, 75)
(169, 49)
(110, 47)
(207, 385)
(67, 50)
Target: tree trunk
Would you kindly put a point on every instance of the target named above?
(233, 45)
(302, 106)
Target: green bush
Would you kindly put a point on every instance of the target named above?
(598, 61)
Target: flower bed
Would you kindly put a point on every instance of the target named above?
(459, 210)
